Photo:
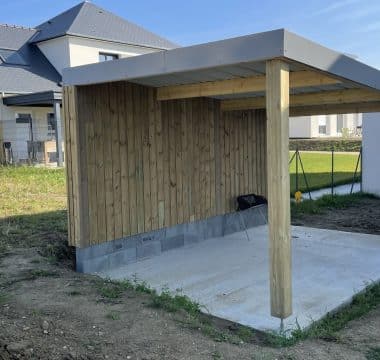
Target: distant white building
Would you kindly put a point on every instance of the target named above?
(371, 151)
(348, 125)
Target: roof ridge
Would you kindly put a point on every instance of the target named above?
(13, 26)
(49, 21)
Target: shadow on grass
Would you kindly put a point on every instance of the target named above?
(47, 232)
(321, 180)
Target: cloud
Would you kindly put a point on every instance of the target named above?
(337, 5)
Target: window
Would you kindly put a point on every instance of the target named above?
(51, 125)
(107, 57)
(339, 123)
(322, 125)
(23, 119)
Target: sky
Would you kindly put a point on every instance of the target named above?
(348, 26)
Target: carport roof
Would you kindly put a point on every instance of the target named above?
(227, 59)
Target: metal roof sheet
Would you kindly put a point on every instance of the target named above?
(246, 55)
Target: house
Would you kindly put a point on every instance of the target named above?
(31, 65)
(341, 125)
(176, 136)
(371, 150)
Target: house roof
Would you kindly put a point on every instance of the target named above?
(89, 20)
(228, 59)
(23, 67)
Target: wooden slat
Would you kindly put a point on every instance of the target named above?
(68, 163)
(240, 85)
(116, 165)
(145, 122)
(132, 168)
(279, 188)
(124, 158)
(91, 165)
(336, 98)
(148, 164)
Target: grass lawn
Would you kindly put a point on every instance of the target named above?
(318, 170)
(29, 190)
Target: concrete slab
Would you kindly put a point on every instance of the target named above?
(229, 275)
(338, 190)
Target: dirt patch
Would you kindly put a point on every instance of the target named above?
(362, 216)
(47, 311)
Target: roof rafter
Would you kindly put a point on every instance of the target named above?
(241, 85)
(336, 97)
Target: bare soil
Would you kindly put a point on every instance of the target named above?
(362, 216)
(48, 311)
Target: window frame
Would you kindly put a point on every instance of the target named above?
(107, 56)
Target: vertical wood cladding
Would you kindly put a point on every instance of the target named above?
(144, 164)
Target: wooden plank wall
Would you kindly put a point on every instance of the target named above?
(147, 164)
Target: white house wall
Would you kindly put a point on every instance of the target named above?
(371, 151)
(19, 134)
(57, 51)
(86, 51)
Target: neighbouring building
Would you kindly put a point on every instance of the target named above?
(342, 125)
(371, 150)
(31, 64)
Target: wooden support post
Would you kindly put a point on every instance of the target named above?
(58, 132)
(277, 104)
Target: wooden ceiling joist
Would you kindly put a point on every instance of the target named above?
(333, 98)
(241, 85)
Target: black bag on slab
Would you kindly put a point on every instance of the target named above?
(250, 200)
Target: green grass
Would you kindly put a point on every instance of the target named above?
(113, 315)
(328, 202)
(327, 328)
(317, 167)
(373, 354)
(27, 190)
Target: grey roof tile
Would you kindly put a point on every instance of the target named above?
(89, 20)
(33, 73)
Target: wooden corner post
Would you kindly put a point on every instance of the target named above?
(280, 251)
(75, 170)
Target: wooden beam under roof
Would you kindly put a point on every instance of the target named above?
(336, 97)
(241, 85)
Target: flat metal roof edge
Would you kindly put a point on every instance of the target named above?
(302, 50)
(255, 47)
(250, 48)
(33, 98)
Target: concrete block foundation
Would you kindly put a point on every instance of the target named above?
(113, 254)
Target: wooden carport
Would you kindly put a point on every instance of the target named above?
(237, 78)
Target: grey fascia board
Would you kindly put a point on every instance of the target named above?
(250, 48)
(304, 51)
(33, 98)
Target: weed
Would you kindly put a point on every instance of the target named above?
(75, 293)
(37, 273)
(373, 354)
(35, 261)
(173, 303)
(245, 333)
(328, 202)
(113, 315)
(4, 298)
(328, 327)
(216, 355)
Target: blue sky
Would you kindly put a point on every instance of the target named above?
(350, 26)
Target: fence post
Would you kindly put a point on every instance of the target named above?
(297, 154)
(361, 168)
(332, 172)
